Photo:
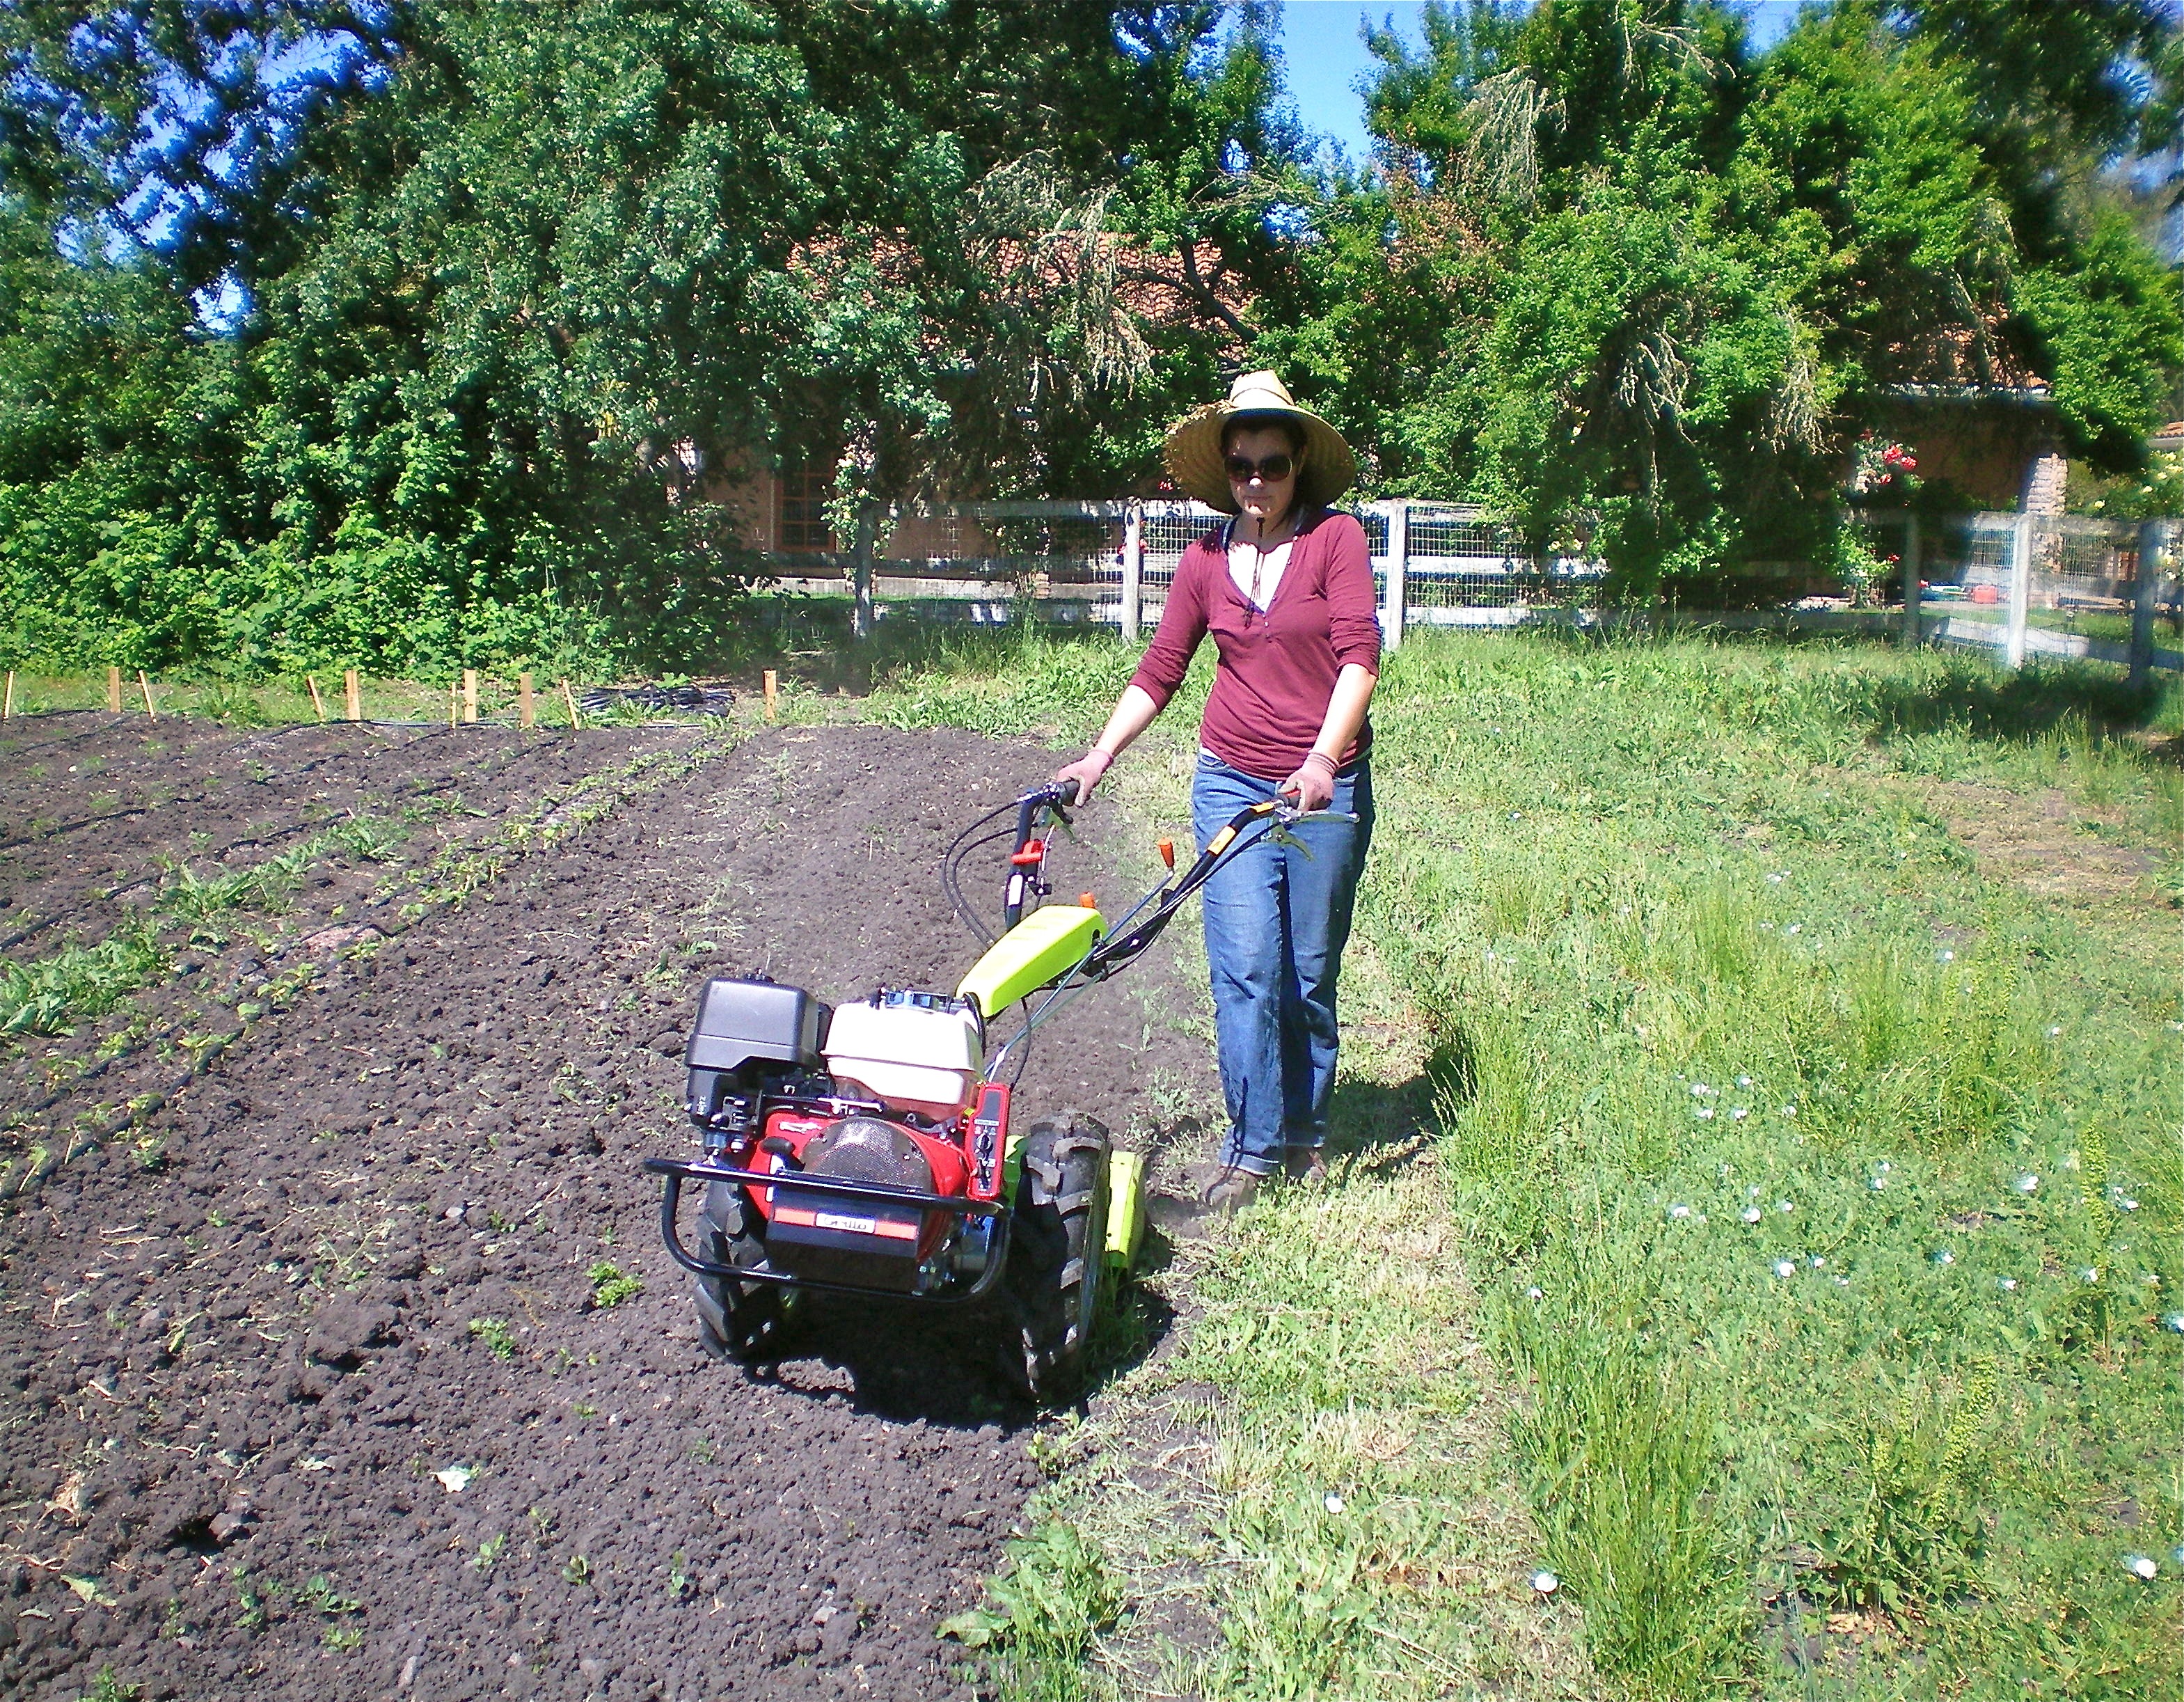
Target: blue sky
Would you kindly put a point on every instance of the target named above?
(1325, 58)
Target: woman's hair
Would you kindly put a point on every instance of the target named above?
(1290, 428)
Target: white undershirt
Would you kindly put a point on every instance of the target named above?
(1247, 562)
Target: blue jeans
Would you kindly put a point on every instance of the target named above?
(1276, 922)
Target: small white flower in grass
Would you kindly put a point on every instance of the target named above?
(1744, 1081)
(1532, 1294)
(2147, 1278)
(1784, 1206)
(2090, 1273)
(1877, 1182)
(1752, 1192)
(1766, 927)
(1795, 928)
(2054, 1029)
(2141, 1567)
(1945, 957)
(1700, 1090)
(2007, 1285)
(1332, 1503)
(2177, 1027)
(1842, 1282)
(1943, 1255)
(1679, 1211)
(1546, 1582)
(2174, 1323)
(455, 1479)
(1786, 1267)
(1704, 1112)
(1741, 1112)
(1751, 1214)
(1818, 1262)
(1789, 1111)
(1773, 880)
(2025, 1183)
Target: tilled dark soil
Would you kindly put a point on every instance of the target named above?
(304, 843)
(98, 807)
(325, 1405)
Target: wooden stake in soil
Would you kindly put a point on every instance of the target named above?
(113, 690)
(8, 705)
(470, 694)
(317, 702)
(772, 693)
(569, 697)
(144, 685)
(353, 694)
(527, 706)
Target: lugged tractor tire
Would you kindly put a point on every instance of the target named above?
(1051, 1285)
(743, 1321)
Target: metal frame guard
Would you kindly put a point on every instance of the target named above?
(679, 1171)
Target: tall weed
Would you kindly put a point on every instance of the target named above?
(1619, 1448)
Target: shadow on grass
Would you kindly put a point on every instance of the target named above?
(2041, 699)
(1386, 1127)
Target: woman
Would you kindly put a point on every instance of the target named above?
(1286, 590)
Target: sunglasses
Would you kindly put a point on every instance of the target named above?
(1272, 470)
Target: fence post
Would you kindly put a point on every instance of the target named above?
(860, 572)
(2020, 591)
(113, 690)
(1133, 571)
(351, 695)
(1912, 611)
(2145, 593)
(1399, 561)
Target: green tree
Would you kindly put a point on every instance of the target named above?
(498, 259)
(1628, 274)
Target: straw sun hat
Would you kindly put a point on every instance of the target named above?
(1193, 445)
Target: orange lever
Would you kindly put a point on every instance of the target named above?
(1087, 901)
(1168, 852)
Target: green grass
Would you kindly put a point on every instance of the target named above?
(1819, 1185)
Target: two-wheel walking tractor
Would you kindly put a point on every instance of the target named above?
(869, 1148)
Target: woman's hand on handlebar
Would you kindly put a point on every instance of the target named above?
(1087, 771)
(1312, 785)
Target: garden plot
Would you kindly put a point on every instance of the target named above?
(380, 1380)
(179, 882)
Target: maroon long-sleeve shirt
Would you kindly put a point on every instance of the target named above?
(1278, 666)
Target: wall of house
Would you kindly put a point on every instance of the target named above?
(1995, 458)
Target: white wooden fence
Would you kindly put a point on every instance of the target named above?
(2016, 583)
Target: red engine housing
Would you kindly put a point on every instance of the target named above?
(796, 1127)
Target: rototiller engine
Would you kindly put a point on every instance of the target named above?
(868, 1148)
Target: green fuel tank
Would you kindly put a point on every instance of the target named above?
(1036, 953)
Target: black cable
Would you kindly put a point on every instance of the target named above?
(951, 860)
(951, 883)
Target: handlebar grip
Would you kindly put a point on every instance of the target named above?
(1065, 791)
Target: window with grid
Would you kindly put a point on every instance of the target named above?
(804, 494)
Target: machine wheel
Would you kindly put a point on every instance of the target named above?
(744, 1322)
(1057, 1256)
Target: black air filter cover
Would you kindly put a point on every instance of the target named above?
(756, 1022)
